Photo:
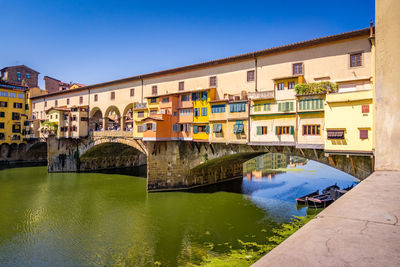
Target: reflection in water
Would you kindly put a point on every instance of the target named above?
(109, 219)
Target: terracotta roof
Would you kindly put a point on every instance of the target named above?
(152, 118)
(264, 52)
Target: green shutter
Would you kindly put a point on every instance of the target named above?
(313, 104)
(279, 106)
(259, 130)
(276, 130)
(291, 129)
(320, 104)
(290, 105)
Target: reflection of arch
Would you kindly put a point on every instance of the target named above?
(96, 119)
(127, 118)
(112, 118)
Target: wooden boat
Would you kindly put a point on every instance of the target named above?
(303, 200)
(330, 188)
(319, 201)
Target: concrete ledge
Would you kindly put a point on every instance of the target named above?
(360, 229)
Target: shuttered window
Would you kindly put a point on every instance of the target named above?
(285, 106)
(363, 134)
(311, 104)
(262, 130)
(311, 129)
(279, 130)
(335, 134)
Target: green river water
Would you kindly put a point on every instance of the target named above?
(71, 219)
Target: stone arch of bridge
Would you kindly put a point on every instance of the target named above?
(104, 153)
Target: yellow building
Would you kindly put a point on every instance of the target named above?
(237, 121)
(201, 110)
(14, 113)
(140, 112)
(349, 121)
(218, 121)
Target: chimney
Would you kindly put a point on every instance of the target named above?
(371, 29)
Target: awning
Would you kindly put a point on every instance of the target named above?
(335, 134)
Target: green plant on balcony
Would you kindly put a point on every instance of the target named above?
(316, 88)
(49, 127)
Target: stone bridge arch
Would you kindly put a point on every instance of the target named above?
(184, 165)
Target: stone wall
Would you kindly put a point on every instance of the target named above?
(179, 165)
(33, 152)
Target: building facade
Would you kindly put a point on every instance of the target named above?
(249, 98)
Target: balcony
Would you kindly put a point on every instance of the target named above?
(261, 95)
(140, 105)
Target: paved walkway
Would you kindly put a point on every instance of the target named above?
(362, 228)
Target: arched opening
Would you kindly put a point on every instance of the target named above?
(112, 156)
(96, 120)
(128, 118)
(37, 152)
(112, 118)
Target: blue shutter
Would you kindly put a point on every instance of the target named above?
(207, 129)
(195, 129)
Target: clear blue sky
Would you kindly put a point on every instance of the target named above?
(91, 41)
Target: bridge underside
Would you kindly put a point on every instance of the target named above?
(179, 165)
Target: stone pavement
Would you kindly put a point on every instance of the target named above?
(362, 228)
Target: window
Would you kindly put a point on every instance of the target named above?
(55, 103)
(250, 75)
(26, 106)
(96, 97)
(81, 99)
(112, 95)
(365, 108)
(286, 106)
(3, 104)
(2, 135)
(203, 95)
(262, 130)
(2, 114)
(140, 128)
(132, 92)
(175, 113)
(153, 112)
(185, 98)
(15, 116)
(195, 96)
(16, 128)
(175, 128)
(73, 118)
(28, 75)
(203, 111)
(238, 127)
(201, 129)
(165, 100)
(67, 101)
(1, 125)
(279, 130)
(13, 95)
(84, 119)
(17, 105)
(21, 96)
(140, 114)
(217, 128)
(311, 129)
(18, 76)
(267, 106)
(213, 81)
(154, 90)
(184, 112)
(335, 134)
(45, 103)
(291, 85)
(297, 68)
(56, 116)
(238, 107)
(363, 134)
(355, 60)
(181, 86)
(310, 104)
(153, 100)
(3, 93)
(280, 86)
(196, 112)
(218, 109)
(16, 137)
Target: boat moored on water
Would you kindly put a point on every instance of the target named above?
(303, 200)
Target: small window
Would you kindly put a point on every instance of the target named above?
(262, 130)
(363, 134)
(165, 100)
(297, 68)
(56, 103)
(284, 130)
(154, 90)
(280, 86)
(26, 106)
(132, 92)
(2, 114)
(28, 75)
(96, 97)
(355, 60)
(203, 111)
(153, 112)
(112, 95)
(250, 75)
(175, 113)
(81, 99)
(140, 114)
(291, 85)
(45, 103)
(3, 104)
(67, 101)
(18, 76)
(17, 105)
(311, 129)
(181, 86)
(196, 112)
(365, 108)
(1, 125)
(15, 116)
(185, 98)
(213, 81)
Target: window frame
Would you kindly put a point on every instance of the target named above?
(311, 130)
(154, 89)
(213, 81)
(361, 59)
(250, 75)
(181, 86)
(294, 69)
